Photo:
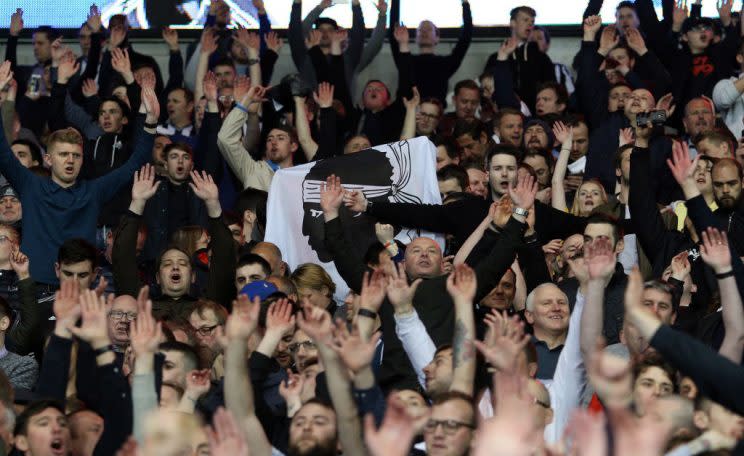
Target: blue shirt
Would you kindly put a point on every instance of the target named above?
(53, 214)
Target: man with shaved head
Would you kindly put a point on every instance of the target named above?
(271, 253)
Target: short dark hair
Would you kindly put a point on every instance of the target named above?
(379, 81)
(473, 128)
(77, 250)
(50, 32)
(372, 255)
(33, 409)
(33, 147)
(655, 360)
(542, 153)
(288, 130)
(546, 32)
(189, 353)
(252, 258)
(168, 249)
(619, 154)
(5, 309)
(717, 136)
(466, 84)
(326, 20)
(503, 149)
(434, 101)
(178, 146)
(446, 142)
(472, 164)
(503, 112)
(222, 61)
(187, 94)
(522, 9)
(560, 91)
(606, 219)
(453, 172)
(626, 4)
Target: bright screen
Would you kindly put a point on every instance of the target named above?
(191, 13)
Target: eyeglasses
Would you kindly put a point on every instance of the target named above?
(4, 239)
(205, 331)
(118, 315)
(428, 116)
(541, 403)
(448, 426)
(307, 345)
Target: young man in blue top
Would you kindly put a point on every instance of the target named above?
(63, 207)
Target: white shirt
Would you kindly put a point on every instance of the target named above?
(416, 342)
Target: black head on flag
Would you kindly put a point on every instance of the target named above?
(381, 174)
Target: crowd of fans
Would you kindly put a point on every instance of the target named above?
(587, 300)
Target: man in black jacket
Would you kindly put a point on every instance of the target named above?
(423, 262)
(529, 66)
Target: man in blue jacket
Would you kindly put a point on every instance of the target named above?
(63, 207)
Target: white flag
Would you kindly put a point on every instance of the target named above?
(402, 172)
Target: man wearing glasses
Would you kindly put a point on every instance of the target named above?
(451, 426)
(123, 312)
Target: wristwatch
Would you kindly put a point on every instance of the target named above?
(520, 211)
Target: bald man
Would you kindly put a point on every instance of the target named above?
(271, 253)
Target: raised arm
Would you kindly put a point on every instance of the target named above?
(25, 335)
(10, 167)
(239, 395)
(463, 42)
(461, 286)
(373, 46)
(316, 323)
(467, 247)
(717, 254)
(208, 45)
(309, 146)
(175, 60)
(503, 80)
(564, 135)
(409, 123)
(145, 339)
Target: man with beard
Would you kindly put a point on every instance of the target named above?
(727, 183)
(538, 135)
(313, 431)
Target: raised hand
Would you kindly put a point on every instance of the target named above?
(636, 41)
(279, 318)
(66, 307)
(592, 24)
(637, 314)
(679, 14)
(67, 68)
(145, 333)
(395, 435)
(400, 33)
(385, 233)
(259, 5)
(204, 187)
(120, 61)
(291, 389)
(152, 105)
(610, 375)
(505, 339)
(355, 201)
(563, 134)
(94, 19)
(274, 41)
(20, 264)
(197, 384)
(683, 169)
(324, 95)
(16, 22)
(600, 259)
(94, 311)
(724, 11)
(5, 74)
(209, 41)
(248, 39)
(523, 195)
(58, 50)
(373, 291)
(170, 36)
(339, 36)
(226, 438)
(209, 86)
(331, 197)
(626, 136)
(462, 284)
(382, 7)
(144, 186)
(254, 96)
(317, 324)
(355, 353)
(242, 86)
(312, 39)
(608, 39)
(666, 103)
(243, 320)
(507, 48)
(415, 100)
(90, 88)
(681, 266)
(715, 250)
(399, 291)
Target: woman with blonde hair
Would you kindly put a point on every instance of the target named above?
(315, 287)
